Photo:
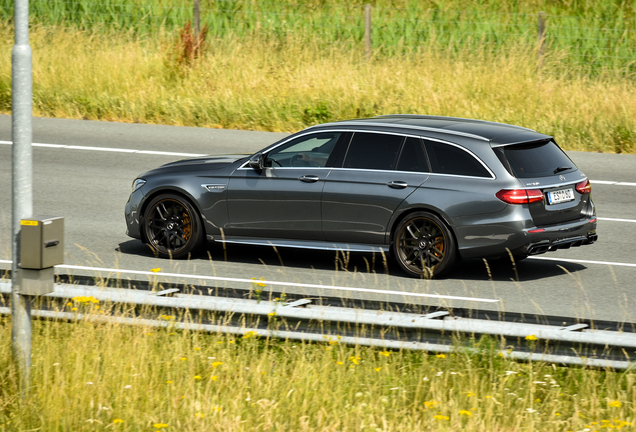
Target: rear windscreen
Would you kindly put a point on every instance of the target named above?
(542, 159)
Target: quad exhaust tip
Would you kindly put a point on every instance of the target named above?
(546, 246)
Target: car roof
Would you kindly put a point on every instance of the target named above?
(492, 132)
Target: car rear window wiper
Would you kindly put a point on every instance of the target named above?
(559, 169)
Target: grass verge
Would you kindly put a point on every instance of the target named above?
(285, 85)
(113, 377)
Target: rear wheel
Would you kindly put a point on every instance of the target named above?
(172, 226)
(423, 245)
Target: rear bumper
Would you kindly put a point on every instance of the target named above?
(515, 238)
(558, 242)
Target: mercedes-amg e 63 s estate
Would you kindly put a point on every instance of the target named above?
(429, 190)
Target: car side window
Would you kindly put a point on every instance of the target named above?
(448, 159)
(373, 151)
(307, 151)
(412, 157)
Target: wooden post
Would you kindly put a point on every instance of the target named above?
(540, 40)
(367, 31)
(196, 15)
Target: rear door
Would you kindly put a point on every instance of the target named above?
(544, 166)
(359, 197)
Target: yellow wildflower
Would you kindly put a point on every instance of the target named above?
(155, 270)
(378, 369)
(430, 403)
(615, 404)
(440, 355)
(160, 425)
(199, 415)
(385, 353)
(466, 413)
(214, 377)
(197, 377)
(441, 417)
(470, 394)
(118, 420)
(216, 364)
(258, 284)
(531, 337)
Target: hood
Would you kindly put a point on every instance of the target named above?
(208, 162)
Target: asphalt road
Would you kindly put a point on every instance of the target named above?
(87, 177)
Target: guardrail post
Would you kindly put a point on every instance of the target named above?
(22, 184)
(367, 31)
(540, 41)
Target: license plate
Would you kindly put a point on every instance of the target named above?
(561, 196)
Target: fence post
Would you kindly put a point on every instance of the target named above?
(367, 31)
(196, 16)
(540, 41)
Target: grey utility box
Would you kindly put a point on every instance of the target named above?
(41, 242)
(41, 248)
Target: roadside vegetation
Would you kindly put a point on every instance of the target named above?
(253, 69)
(93, 377)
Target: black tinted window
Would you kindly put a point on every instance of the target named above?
(535, 160)
(413, 157)
(373, 151)
(448, 159)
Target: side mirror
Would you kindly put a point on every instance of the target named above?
(257, 162)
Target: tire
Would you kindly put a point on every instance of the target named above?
(172, 226)
(424, 246)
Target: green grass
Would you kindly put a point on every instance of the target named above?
(591, 37)
(93, 377)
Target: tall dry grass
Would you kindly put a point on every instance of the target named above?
(94, 377)
(286, 85)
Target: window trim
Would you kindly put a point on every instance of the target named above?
(407, 135)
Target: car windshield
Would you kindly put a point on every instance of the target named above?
(542, 159)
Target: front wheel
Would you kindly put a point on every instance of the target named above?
(172, 226)
(423, 246)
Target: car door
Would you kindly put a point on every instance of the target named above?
(283, 200)
(379, 171)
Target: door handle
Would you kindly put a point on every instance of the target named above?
(308, 178)
(397, 184)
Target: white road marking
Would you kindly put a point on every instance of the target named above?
(109, 149)
(250, 281)
(583, 261)
(616, 220)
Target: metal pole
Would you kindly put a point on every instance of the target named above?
(197, 21)
(367, 31)
(540, 40)
(22, 177)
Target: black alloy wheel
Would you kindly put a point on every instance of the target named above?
(423, 245)
(172, 226)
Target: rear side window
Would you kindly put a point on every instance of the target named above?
(542, 159)
(413, 157)
(373, 151)
(448, 159)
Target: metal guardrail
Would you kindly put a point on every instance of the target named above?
(437, 331)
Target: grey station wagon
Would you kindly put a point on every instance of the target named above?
(429, 190)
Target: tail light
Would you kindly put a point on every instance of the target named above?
(584, 187)
(520, 196)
